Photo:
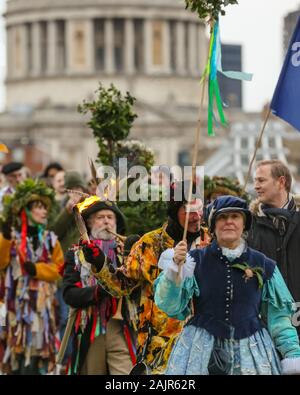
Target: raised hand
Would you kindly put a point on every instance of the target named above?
(93, 254)
(180, 252)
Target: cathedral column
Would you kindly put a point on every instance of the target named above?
(203, 44)
(167, 46)
(129, 46)
(9, 55)
(192, 48)
(20, 48)
(36, 48)
(147, 45)
(68, 40)
(109, 46)
(52, 52)
(90, 40)
(180, 50)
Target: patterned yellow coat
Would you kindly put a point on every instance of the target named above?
(139, 273)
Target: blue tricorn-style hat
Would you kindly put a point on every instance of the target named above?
(227, 203)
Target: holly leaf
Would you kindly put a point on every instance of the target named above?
(242, 266)
(260, 280)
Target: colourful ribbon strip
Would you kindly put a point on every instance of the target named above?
(214, 64)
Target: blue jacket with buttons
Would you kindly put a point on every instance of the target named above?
(228, 305)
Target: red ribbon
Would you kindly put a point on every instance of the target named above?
(23, 247)
(77, 323)
(129, 344)
(114, 306)
(92, 337)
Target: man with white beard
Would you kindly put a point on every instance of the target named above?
(103, 340)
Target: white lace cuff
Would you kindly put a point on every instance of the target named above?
(290, 365)
(167, 264)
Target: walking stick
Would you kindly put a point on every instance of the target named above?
(63, 345)
(194, 162)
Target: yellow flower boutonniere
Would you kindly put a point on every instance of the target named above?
(250, 272)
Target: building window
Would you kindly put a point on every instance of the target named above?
(119, 44)
(198, 48)
(259, 157)
(231, 89)
(173, 45)
(138, 44)
(186, 45)
(244, 142)
(44, 46)
(60, 46)
(245, 160)
(29, 46)
(99, 44)
(272, 142)
(184, 158)
(233, 100)
(157, 39)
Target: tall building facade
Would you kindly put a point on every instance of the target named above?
(290, 22)
(59, 51)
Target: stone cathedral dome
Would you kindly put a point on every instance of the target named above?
(59, 50)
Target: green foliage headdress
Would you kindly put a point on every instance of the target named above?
(28, 191)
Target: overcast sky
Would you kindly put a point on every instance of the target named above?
(2, 55)
(257, 25)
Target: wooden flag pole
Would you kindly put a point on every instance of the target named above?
(197, 139)
(194, 161)
(256, 149)
(195, 154)
(193, 176)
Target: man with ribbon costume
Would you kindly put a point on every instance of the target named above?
(104, 328)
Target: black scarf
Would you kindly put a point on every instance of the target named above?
(280, 216)
(32, 232)
(175, 231)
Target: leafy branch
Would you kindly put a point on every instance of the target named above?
(111, 119)
(209, 8)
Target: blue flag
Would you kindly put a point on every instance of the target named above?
(286, 100)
